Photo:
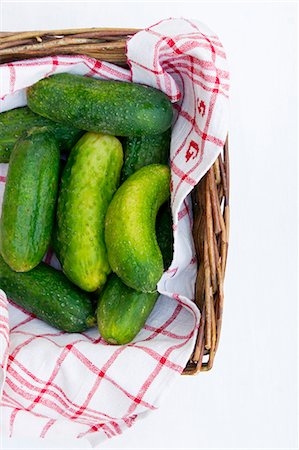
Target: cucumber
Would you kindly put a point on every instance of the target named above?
(122, 311)
(14, 123)
(29, 200)
(165, 234)
(49, 295)
(110, 107)
(89, 180)
(133, 251)
(144, 150)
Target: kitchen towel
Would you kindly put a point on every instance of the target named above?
(75, 384)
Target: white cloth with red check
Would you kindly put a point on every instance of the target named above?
(76, 385)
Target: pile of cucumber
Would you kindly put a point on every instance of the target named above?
(104, 211)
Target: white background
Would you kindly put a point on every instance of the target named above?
(249, 398)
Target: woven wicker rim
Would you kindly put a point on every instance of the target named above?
(210, 198)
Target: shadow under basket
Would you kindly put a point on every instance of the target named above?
(210, 198)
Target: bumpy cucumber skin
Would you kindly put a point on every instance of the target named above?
(164, 234)
(122, 311)
(110, 107)
(49, 295)
(14, 123)
(89, 180)
(133, 251)
(141, 151)
(29, 200)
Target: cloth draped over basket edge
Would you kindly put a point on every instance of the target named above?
(41, 396)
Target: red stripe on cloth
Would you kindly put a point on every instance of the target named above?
(95, 340)
(22, 381)
(128, 394)
(98, 380)
(166, 324)
(192, 121)
(15, 305)
(48, 336)
(186, 305)
(182, 213)
(93, 70)
(5, 357)
(55, 63)
(149, 69)
(193, 25)
(197, 36)
(113, 73)
(59, 361)
(188, 46)
(146, 385)
(129, 421)
(63, 400)
(23, 322)
(156, 62)
(204, 86)
(12, 420)
(116, 427)
(12, 80)
(45, 402)
(12, 403)
(4, 320)
(183, 176)
(175, 269)
(201, 63)
(155, 355)
(97, 371)
(4, 333)
(204, 135)
(17, 349)
(47, 427)
(3, 301)
(192, 68)
(171, 43)
(188, 118)
(41, 62)
(96, 428)
(200, 133)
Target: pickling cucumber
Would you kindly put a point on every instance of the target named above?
(14, 123)
(29, 200)
(49, 295)
(110, 107)
(133, 252)
(122, 311)
(143, 150)
(89, 180)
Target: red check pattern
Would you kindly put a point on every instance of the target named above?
(76, 384)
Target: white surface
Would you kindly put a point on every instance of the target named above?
(249, 398)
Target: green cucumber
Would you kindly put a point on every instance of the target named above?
(110, 107)
(141, 151)
(14, 123)
(133, 251)
(165, 234)
(29, 200)
(89, 180)
(122, 311)
(49, 295)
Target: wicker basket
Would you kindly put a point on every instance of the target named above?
(210, 197)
